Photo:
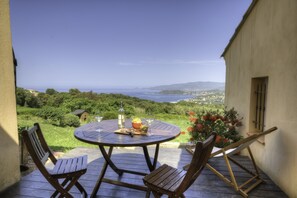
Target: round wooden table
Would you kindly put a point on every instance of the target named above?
(103, 134)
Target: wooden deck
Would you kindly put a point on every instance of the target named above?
(207, 184)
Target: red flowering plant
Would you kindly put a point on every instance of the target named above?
(225, 124)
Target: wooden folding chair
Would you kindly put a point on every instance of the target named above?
(68, 169)
(174, 182)
(230, 150)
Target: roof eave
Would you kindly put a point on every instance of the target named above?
(244, 18)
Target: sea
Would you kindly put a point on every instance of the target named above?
(142, 93)
(147, 94)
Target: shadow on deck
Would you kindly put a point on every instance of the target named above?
(207, 184)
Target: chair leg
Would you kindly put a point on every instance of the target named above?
(63, 184)
(156, 194)
(81, 189)
(60, 188)
(234, 183)
(63, 193)
(253, 161)
(148, 193)
(67, 195)
(186, 167)
(73, 181)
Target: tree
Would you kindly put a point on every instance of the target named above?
(43, 98)
(79, 103)
(55, 100)
(74, 91)
(32, 101)
(21, 96)
(51, 91)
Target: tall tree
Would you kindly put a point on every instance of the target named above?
(51, 91)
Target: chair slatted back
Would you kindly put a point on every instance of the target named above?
(199, 160)
(244, 143)
(37, 146)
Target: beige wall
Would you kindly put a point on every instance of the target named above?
(266, 45)
(9, 153)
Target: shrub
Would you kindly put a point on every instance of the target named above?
(138, 110)
(22, 126)
(32, 101)
(223, 123)
(51, 114)
(70, 120)
(27, 111)
(110, 115)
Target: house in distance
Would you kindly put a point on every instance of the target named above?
(81, 113)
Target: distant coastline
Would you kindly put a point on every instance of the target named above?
(142, 93)
(163, 93)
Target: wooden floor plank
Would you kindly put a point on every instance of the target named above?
(207, 184)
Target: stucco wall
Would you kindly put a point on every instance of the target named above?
(9, 153)
(266, 45)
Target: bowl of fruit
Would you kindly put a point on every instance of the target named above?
(136, 123)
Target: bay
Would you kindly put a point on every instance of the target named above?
(147, 94)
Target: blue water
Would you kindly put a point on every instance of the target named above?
(147, 94)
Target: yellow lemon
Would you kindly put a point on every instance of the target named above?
(136, 120)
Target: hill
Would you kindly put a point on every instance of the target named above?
(192, 86)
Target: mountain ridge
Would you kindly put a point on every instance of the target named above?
(192, 86)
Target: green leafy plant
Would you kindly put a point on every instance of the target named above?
(51, 114)
(224, 123)
(70, 120)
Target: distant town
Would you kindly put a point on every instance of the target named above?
(203, 92)
(209, 97)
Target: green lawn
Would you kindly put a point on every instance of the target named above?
(182, 123)
(58, 138)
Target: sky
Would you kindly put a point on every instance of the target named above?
(89, 44)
